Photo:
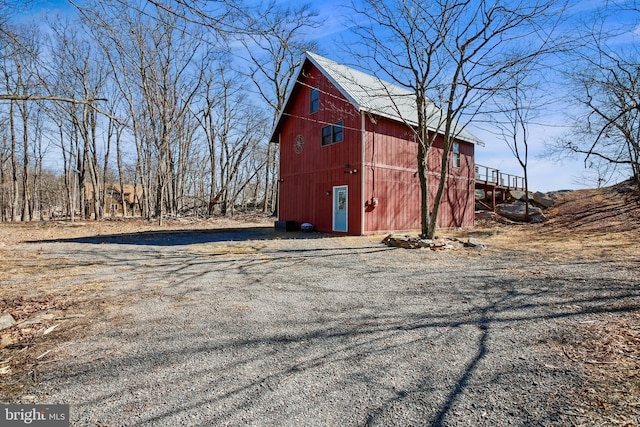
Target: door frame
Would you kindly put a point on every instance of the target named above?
(337, 188)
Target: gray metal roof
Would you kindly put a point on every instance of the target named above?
(372, 95)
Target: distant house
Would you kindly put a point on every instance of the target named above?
(348, 159)
(113, 201)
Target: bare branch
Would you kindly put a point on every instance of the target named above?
(18, 97)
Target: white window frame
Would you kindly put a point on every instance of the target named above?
(456, 154)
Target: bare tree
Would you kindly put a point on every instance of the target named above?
(31, 88)
(453, 54)
(23, 109)
(207, 120)
(20, 72)
(605, 129)
(168, 90)
(12, 36)
(154, 55)
(275, 39)
(81, 73)
(274, 42)
(38, 151)
(158, 55)
(516, 109)
(9, 8)
(5, 155)
(119, 40)
(238, 129)
(12, 145)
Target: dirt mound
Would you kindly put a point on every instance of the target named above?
(608, 209)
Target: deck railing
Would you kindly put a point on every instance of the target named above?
(491, 176)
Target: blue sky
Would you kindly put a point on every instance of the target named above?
(545, 174)
(41, 7)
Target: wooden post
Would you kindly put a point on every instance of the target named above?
(493, 198)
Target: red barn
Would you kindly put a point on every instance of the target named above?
(348, 157)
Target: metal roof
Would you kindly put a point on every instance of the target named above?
(373, 95)
(370, 94)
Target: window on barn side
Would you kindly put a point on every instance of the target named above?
(337, 131)
(326, 135)
(314, 100)
(456, 154)
(333, 133)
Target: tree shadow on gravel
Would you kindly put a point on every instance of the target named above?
(189, 237)
(226, 370)
(492, 317)
(363, 336)
(461, 384)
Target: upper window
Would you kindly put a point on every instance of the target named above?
(337, 132)
(327, 135)
(456, 155)
(332, 133)
(314, 100)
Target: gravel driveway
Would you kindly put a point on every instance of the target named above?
(325, 331)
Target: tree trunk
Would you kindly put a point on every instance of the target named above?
(81, 195)
(15, 189)
(123, 199)
(439, 192)
(38, 180)
(161, 203)
(98, 195)
(67, 171)
(267, 180)
(424, 146)
(526, 194)
(3, 207)
(105, 168)
(26, 211)
(424, 191)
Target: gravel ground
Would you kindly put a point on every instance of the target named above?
(324, 331)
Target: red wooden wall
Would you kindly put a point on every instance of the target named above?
(308, 177)
(391, 178)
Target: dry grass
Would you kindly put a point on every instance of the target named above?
(16, 233)
(536, 241)
(35, 292)
(586, 224)
(607, 351)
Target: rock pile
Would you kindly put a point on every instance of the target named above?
(516, 212)
(406, 241)
(514, 208)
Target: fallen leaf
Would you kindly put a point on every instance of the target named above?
(50, 329)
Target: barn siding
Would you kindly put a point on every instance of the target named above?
(308, 176)
(391, 178)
